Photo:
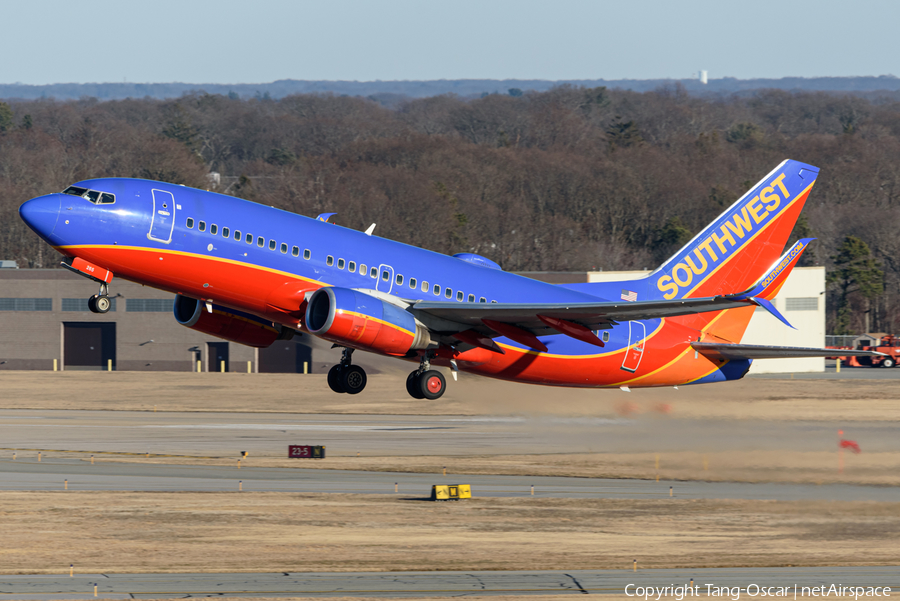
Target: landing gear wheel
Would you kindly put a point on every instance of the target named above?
(102, 304)
(92, 304)
(889, 362)
(432, 384)
(334, 379)
(412, 386)
(353, 379)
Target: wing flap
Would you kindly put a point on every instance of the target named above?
(760, 351)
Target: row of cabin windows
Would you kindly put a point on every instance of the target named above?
(398, 280)
(341, 264)
(260, 240)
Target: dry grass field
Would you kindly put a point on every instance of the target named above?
(751, 398)
(265, 532)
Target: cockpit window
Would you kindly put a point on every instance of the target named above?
(94, 196)
(75, 191)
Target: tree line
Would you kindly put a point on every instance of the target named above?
(569, 179)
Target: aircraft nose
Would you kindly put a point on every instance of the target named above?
(41, 213)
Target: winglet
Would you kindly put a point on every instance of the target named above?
(325, 217)
(766, 288)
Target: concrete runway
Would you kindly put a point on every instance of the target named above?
(269, 434)
(435, 584)
(29, 474)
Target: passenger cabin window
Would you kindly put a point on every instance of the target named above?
(424, 286)
(307, 254)
(190, 223)
(482, 300)
(436, 290)
(385, 275)
(448, 293)
(493, 301)
(249, 239)
(363, 269)
(295, 251)
(412, 283)
(225, 232)
(202, 226)
(237, 235)
(471, 298)
(283, 248)
(459, 296)
(260, 241)
(399, 280)
(373, 273)
(351, 267)
(329, 260)
(341, 263)
(213, 229)
(272, 244)
(605, 337)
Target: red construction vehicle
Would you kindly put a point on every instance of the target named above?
(887, 344)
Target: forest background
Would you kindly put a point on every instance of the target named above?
(571, 179)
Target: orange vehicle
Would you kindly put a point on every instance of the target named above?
(888, 345)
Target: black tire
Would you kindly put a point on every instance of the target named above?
(432, 384)
(102, 304)
(92, 304)
(334, 379)
(412, 385)
(889, 362)
(353, 379)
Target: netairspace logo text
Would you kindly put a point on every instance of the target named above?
(679, 592)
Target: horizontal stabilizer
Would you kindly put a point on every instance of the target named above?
(760, 351)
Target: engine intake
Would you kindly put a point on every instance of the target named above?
(360, 320)
(234, 326)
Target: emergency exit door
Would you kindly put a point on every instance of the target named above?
(637, 331)
(163, 220)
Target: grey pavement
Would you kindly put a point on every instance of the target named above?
(439, 584)
(830, 373)
(48, 474)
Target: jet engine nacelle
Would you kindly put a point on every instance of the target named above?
(360, 320)
(229, 324)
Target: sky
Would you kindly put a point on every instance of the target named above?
(230, 41)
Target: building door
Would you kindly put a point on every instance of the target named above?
(217, 353)
(89, 345)
(285, 357)
(163, 220)
(636, 333)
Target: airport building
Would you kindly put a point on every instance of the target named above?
(46, 324)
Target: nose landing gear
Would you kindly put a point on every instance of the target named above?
(426, 383)
(345, 377)
(100, 303)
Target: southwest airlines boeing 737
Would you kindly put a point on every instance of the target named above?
(254, 274)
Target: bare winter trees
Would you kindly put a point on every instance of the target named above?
(569, 179)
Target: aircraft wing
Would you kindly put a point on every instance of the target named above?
(760, 351)
(478, 323)
(591, 315)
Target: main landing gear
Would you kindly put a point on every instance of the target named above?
(345, 377)
(426, 383)
(100, 303)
